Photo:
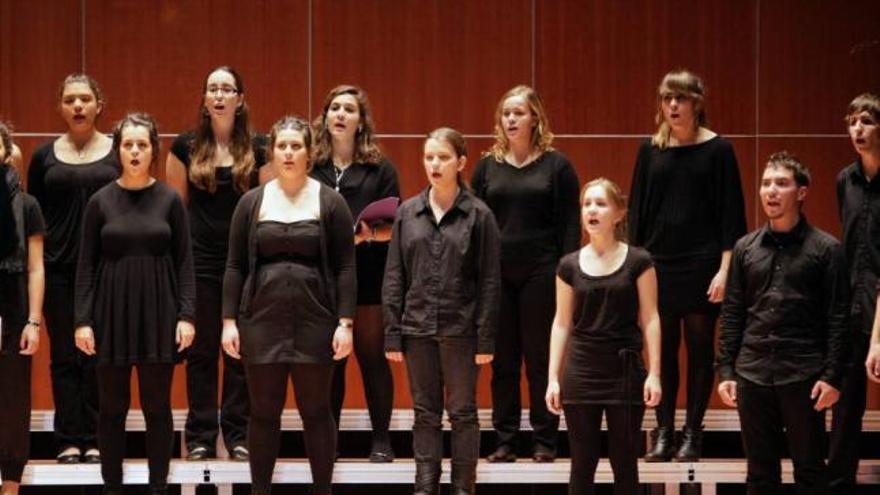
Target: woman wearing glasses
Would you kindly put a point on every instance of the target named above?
(211, 167)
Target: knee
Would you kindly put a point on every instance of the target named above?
(427, 418)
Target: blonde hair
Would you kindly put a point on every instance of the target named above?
(615, 196)
(678, 82)
(542, 138)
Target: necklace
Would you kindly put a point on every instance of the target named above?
(81, 152)
(339, 173)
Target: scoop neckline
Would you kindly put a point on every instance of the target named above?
(608, 275)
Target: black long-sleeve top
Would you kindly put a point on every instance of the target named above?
(858, 201)
(210, 213)
(337, 254)
(63, 190)
(784, 317)
(135, 279)
(360, 185)
(536, 207)
(443, 279)
(686, 202)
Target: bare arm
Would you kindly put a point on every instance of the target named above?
(30, 336)
(559, 333)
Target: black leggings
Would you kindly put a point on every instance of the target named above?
(267, 385)
(699, 334)
(584, 423)
(114, 385)
(369, 342)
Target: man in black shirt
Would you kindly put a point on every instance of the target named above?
(858, 200)
(783, 334)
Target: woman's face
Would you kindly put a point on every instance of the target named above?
(599, 214)
(343, 117)
(135, 151)
(222, 98)
(442, 164)
(679, 111)
(290, 155)
(79, 107)
(517, 119)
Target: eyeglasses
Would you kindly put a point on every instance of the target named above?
(222, 90)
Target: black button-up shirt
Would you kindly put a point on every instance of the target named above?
(785, 308)
(858, 201)
(443, 279)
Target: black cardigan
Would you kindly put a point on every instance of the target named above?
(337, 254)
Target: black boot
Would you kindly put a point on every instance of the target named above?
(691, 445)
(427, 478)
(464, 476)
(663, 445)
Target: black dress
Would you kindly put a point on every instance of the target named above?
(686, 207)
(603, 363)
(135, 275)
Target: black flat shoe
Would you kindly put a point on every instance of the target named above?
(543, 454)
(504, 453)
(69, 455)
(198, 454)
(240, 453)
(381, 451)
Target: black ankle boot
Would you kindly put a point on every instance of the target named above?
(691, 445)
(464, 477)
(663, 445)
(427, 478)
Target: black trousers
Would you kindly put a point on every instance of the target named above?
(15, 415)
(846, 421)
(437, 368)
(624, 443)
(154, 383)
(369, 348)
(202, 377)
(699, 335)
(772, 416)
(267, 384)
(74, 386)
(528, 303)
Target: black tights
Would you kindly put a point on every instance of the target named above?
(369, 347)
(114, 387)
(584, 433)
(699, 334)
(267, 385)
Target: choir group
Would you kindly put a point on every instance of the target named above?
(288, 251)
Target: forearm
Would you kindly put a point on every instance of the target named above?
(36, 290)
(652, 342)
(558, 341)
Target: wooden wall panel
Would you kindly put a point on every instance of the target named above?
(160, 67)
(423, 63)
(598, 63)
(40, 46)
(815, 57)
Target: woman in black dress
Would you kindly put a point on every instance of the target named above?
(21, 301)
(686, 209)
(62, 176)
(347, 159)
(441, 294)
(288, 302)
(606, 299)
(211, 167)
(533, 191)
(135, 299)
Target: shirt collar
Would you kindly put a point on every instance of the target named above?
(795, 235)
(462, 202)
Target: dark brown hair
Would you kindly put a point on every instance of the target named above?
(788, 161)
(865, 102)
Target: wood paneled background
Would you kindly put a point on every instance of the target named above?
(779, 74)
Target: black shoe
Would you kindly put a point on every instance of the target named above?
(504, 453)
(381, 450)
(464, 477)
(199, 454)
(69, 455)
(663, 445)
(239, 453)
(543, 453)
(427, 478)
(91, 456)
(691, 445)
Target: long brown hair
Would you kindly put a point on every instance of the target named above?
(201, 169)
(542, 138)
(365, 148)
(680, 82)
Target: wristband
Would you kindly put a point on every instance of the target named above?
(33, 323)
(346, 324)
